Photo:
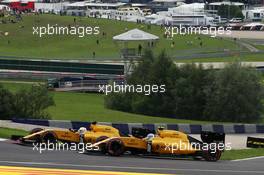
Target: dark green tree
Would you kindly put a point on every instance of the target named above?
(235, 95)
(193, 92)
(189, 91)
(6, 103)
(160, 72)
(33, 102)
(230, 11)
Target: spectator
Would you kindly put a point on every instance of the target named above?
(172, 44)
(139, 49)
(201, 43)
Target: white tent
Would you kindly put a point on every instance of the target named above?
(135, 35)
(194, 8)
(2, 7)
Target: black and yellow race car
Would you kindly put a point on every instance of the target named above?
(95, 133)
(165, 143)
(110, 140)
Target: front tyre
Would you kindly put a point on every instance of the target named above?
(49, 137)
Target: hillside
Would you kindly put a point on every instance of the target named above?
(21, 42)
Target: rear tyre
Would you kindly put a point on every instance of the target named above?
(212, 155)
(115, 147)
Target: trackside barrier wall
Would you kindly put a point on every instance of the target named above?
(58, 66)
(126, 128)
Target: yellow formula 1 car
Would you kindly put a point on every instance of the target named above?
(165, 143)
(95, 134)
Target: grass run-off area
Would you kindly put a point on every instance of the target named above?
(21, 42)
(6, 132)
(260, 47)
(242, 153)
(90, 107)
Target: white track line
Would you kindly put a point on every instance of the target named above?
(130, 167)
(250, 158)
(2, 140)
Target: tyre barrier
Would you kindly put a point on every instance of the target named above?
(126, 128)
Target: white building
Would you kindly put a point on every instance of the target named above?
(158, 19)
(88, 8)
(212, 8)
(53, 7)
(256, 14)
(4, 7)
(164, 5)
(194, 8)
(132, 14)
(118, 10)
(187, 14)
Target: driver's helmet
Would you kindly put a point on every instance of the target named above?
(82, 130)
(150, 137)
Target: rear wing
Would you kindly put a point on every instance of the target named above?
(141, 132)
(253, 142)
(212, 137)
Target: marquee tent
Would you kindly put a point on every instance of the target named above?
(135, 35)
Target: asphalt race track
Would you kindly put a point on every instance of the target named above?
(23, 156)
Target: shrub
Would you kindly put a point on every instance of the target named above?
(233, 93)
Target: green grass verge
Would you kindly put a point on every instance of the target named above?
(15, 86)
(90, 107)
(6, 132)
(242, 154)
(260, 47)
(22, 42)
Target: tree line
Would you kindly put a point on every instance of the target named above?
(25, 103)
(233, 93)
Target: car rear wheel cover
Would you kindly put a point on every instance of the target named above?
(102, 146)
(35, 130)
